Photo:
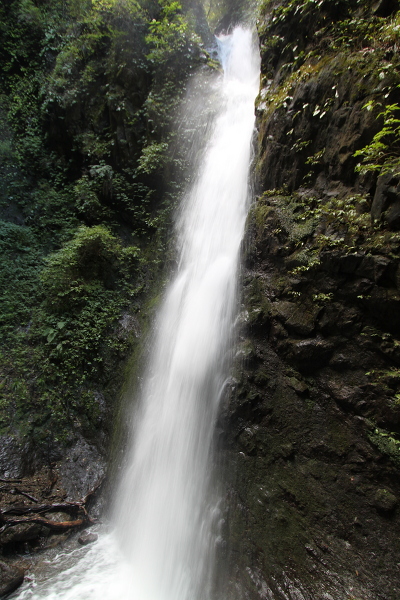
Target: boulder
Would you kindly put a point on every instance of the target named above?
(81, 469)
(373, 267)
(393, 215)
(384, 500)
(297, 317)
(11, 459)
(25, 532)
(87, 538)
(387, 193)
(11, 578)
(309, 354)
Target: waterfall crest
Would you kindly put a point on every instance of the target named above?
(165, 508)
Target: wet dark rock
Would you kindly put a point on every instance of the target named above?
(373, 267)
(349, 263)
(285, 451)
(385, 500)
(278, 332)
(87, 538)
(52, 540)
(129, 324)
(386, 202)
(384, 8)
(297, 318)
(393, 215)
(337, 317)
(25, 532)
(384, 193)
(313, 503)
(81, 469)
(299, 386)
(348, 395)
(11, 578)
(308, 354)
(341, 361)
(11, 457)
(248, 441)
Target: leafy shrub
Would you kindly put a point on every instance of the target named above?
(152, 157)
(93, 259)
(383, 153)
(169, 34)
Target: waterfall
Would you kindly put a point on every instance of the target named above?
(165, 518)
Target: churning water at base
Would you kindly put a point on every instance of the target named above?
(166, 516)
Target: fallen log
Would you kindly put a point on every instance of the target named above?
(7, 515)
(68, 507)
(52, 525)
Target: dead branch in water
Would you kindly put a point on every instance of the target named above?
(9, 514)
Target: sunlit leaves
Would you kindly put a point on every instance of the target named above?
(168, 34)
(383, 153)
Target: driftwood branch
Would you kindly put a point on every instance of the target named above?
(68, 507)
(22, 493)
(53, 525)
(14, 491)
(7, 515)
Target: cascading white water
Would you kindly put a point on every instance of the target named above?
(165, 490)
(165, 507)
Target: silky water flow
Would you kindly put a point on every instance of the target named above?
(166, 515)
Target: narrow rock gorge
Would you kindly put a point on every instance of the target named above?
(309, 432)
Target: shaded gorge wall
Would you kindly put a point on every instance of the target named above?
(312, 422)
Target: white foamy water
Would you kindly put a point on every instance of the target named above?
(166, 512)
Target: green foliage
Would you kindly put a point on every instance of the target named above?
(387, 443)
(340, 222)
(29, 13)
(152, 158)
(87, 201)
(280, 95)
(50, 212)
(169, 34)
(83, 288)
(93, 259)
(364, 41)
(322, 298)
(87, 97)
(383, 153)
(316, 158)
(19, 266)
(356, 32)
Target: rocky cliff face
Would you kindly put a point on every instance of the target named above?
(313, 419)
